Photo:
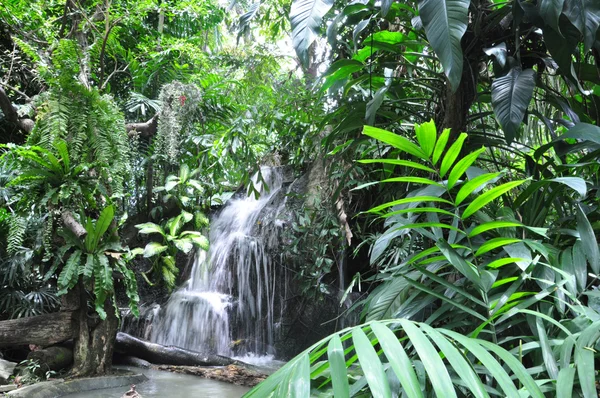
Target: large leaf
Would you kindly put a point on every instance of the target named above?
(154, 248)
(445, 23)
(102, 225)
(550, 11)
(511, 95)
(588, 240)
(306, 17)
(585, 16)
(337, 363)
(490, 195)
(395, 140)
(70, 273)
(457, 368)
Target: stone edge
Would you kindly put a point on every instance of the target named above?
(59, 388)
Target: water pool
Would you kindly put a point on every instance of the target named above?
(163, 384)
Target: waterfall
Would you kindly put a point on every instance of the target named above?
(231, 294)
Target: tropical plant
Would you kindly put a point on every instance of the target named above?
(173, 240)
(185, 192)
(486, 286)
(94, 259)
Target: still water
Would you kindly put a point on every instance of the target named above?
(172, 385)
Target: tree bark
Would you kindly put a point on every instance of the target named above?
(94, 344)
(42, 330)
(70, 222)
(167, 355)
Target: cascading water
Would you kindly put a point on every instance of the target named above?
(232, 288)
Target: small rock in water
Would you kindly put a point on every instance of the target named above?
(132, 393)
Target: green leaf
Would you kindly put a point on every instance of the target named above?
(457, 361)
(588, 240)
(416, 180)
(511, 95)
(489, 196)
(547, 354)
(584, 358)
(103, 283)
(412, 199)
(575, 183)
(394, 140)
(550, 11)
(385, 7)
(491, 364)
(61, 147)
(452, 154)
(461, 167)
(102, 225)
(470, 186)
(583, 131)
(440, 145)
(88, 269)
(445, 22)
(70, 273)
(337, 363)
(306, 17)
(300, 382)
(517, 369)
(399, 162)
(426, 135)
(493, 225)
(436, 370)
(459, 262)
(564, 383)
(585, 16)
(495, 243)
(374, 104)
(400, 362)
(185, 245)
(154, 248)
(150, 228)
(371, 365)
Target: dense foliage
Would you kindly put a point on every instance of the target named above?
(461, 143)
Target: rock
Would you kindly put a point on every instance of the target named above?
(234, 374)
(52, 358)
(6, 370)
(7, 388)
(132, 393)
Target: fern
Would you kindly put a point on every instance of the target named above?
(16, 234)
(70, 273)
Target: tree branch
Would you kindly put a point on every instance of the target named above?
(10, 113)
(70, 222)
(145, 129)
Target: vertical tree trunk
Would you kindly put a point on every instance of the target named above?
(458, 103)
(94, 345)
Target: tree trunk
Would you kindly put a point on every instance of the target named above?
(94, 345)
(42, 330)
(167, 355)
(458, 103)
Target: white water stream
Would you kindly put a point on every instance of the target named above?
(232, 287)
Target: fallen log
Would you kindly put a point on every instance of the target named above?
(42, 330)
(166, 355)
(233, 374)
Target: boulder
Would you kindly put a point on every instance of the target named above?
(6, 370)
